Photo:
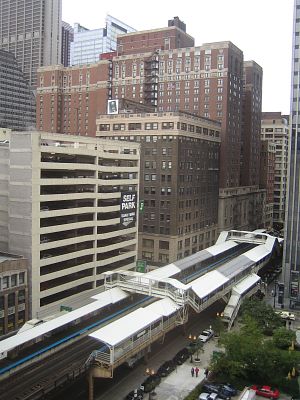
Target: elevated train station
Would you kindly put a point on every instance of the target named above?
(226, 271)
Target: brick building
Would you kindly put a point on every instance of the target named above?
(14, 292)
(179, 180)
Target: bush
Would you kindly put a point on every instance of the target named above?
(287, 386)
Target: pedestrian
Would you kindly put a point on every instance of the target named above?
(192, 371)
(196, 371)
(206, 371)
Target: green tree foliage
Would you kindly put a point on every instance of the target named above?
(262, 313)
(283, 338)
(250, 356)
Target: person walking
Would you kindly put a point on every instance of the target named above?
(206, 371)
(197, 371)
(192, 371)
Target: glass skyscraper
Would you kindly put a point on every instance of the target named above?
(291, 259)
(89, 44)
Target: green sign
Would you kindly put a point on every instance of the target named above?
(141, 266)
(66, 308)
(141, 206)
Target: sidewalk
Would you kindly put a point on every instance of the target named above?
(180, 382)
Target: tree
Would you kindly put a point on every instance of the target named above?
(262, 313)
(283, 338)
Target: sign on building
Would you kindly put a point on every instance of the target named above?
(128, 208)
(141, 266)
(112, 106)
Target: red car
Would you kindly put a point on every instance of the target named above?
(266, 391)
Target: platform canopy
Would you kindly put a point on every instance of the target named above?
(134, 323)
(103, 299)
(207, 283)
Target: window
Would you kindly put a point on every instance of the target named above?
(151, 126)
(5, 282)
(13, 280)
(164, 245)
(167, 125)
(104, 127)
(21, 278)
(134, 126)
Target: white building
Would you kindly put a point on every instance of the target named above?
(275, 129)
(60, 200)
(89, 44)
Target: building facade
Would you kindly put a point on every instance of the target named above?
(251, 124)
(172, 37)
(179, 180)
(89, 44)
(67, 37)
(275, 128)
(291, 254)
(17, 102)
(14, 306)
(31, 30)
(65, 195)
(267, 176)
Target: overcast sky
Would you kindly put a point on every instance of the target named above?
(262, 29)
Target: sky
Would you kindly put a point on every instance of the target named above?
(262, 29)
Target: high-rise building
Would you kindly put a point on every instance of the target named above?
(179, 179)
(275, 129)
(89, 44)
(267, 172)
(31, 30)
(17, 102)
(291, 257)
(67, 37)
(251, 124)
(65, 195)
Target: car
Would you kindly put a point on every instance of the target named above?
(223, 391)
(181, 356)
(166, 368)
(136, 394)
(150, 383)
(266, 391)
(206, 335)
(208, 396)
(286, 315)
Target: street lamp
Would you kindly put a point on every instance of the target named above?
(150, 372)
(192, 339)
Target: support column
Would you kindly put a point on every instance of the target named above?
(91, 385)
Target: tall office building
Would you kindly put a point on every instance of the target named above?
(275, 129)
(89, 44)
(31, 30)
(61, 199)
(67, 37)
(17, 102)
(180, 179)
(291, 259)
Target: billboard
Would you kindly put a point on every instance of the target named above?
(128, 208)
(112, 106)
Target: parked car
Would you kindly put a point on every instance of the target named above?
(266, 391)
(286, 315)
(206, 335)
(223, 391)
(181, 356)
(150, 383)
(208, 396)
(136, 394)
(166, 368)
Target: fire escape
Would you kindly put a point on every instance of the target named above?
(151, 80)
(109, 80)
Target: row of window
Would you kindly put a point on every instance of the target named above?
(10, 281)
